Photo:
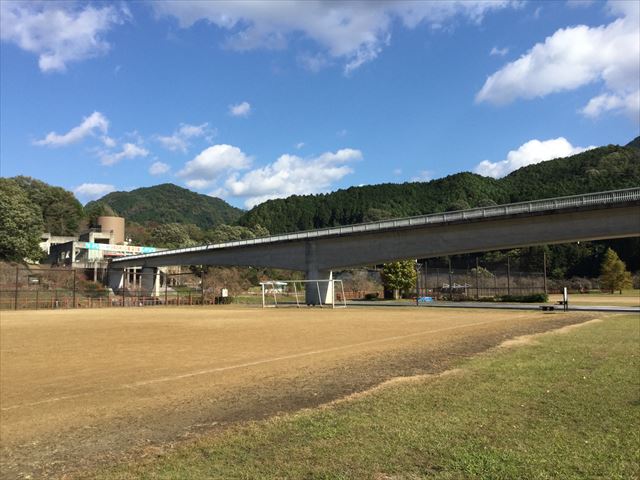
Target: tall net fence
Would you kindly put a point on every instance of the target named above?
(478, 281)
(41, 287)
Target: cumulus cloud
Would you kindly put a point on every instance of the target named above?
(354, 32)
(96, 122)
(290, 175)
(91, 191)
(158, 168)
(574, 57)
(211, 163)
(129, 150)
(240, 110)
(58, 32)
(533, 151)
(179, 140)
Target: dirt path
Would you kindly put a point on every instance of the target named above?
(79, 388)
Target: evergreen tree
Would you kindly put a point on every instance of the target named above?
(614, 273)
(21, 224)
(399, 276)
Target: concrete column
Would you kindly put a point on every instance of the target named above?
(115, 279)
(320, 293)
(150, 281)
(316, 293)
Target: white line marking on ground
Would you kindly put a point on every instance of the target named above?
(248, 364)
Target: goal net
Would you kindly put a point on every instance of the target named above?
(302, 293)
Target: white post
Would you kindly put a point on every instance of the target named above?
(263, 303)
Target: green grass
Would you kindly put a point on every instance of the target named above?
(567, 407)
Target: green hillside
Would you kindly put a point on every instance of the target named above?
(61, 211)
(168, 203)
(604, 168)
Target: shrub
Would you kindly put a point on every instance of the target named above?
(533, 298)
(371, 296)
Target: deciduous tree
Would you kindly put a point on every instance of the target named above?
(614, 273)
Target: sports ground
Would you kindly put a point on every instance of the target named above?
(80, 389)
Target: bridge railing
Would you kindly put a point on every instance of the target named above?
(551, 204)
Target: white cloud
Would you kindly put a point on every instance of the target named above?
(533, 151)
(108, 141)
(211, 163)
(299, 145)
(179, 140)
(314, 62)
(158, 168)
(397, 172)
(610, 102)
(58, 32)
(423, 176)
(290, 175)
(499, 52)
(576, 56)
(354, 32)
(240, 110)
(91, 191)
(96, 122)
(129, 150)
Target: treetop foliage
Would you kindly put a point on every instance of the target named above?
(168, 203)
(61, 211)
(21, 224)
(606, 168)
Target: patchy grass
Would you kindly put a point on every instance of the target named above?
(564, 406)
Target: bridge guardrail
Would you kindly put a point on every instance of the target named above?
(573, 201)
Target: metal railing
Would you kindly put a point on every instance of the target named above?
(612, 197)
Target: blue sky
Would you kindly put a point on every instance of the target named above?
(250, 100)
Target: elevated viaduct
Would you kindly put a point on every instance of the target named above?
(594, 216)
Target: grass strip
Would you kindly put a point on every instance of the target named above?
(563, 407)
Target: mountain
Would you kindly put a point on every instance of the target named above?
(168, 203)
(635, 143)
(605, 168)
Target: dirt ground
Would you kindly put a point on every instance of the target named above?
(83, 388)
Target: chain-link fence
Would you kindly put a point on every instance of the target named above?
(477, 281)
(41, 287)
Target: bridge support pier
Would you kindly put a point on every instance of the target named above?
(115, 279)
(150, 282)
(320, 293)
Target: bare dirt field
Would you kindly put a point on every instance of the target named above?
(82, 388)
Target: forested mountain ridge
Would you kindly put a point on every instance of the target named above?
(169, 203)
(605, 168)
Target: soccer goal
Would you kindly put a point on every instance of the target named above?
(302, 293)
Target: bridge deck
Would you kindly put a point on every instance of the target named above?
(594, 200)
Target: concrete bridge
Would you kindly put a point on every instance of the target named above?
(594, 216)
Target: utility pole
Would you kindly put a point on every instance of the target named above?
(544, 271)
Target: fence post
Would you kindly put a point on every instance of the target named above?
(73, 272)
(202, 285)
(37, 295)
(477, 276)
(544, 271)
(166, 286)
(15, 299)
(508, 276)
(450, 282)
